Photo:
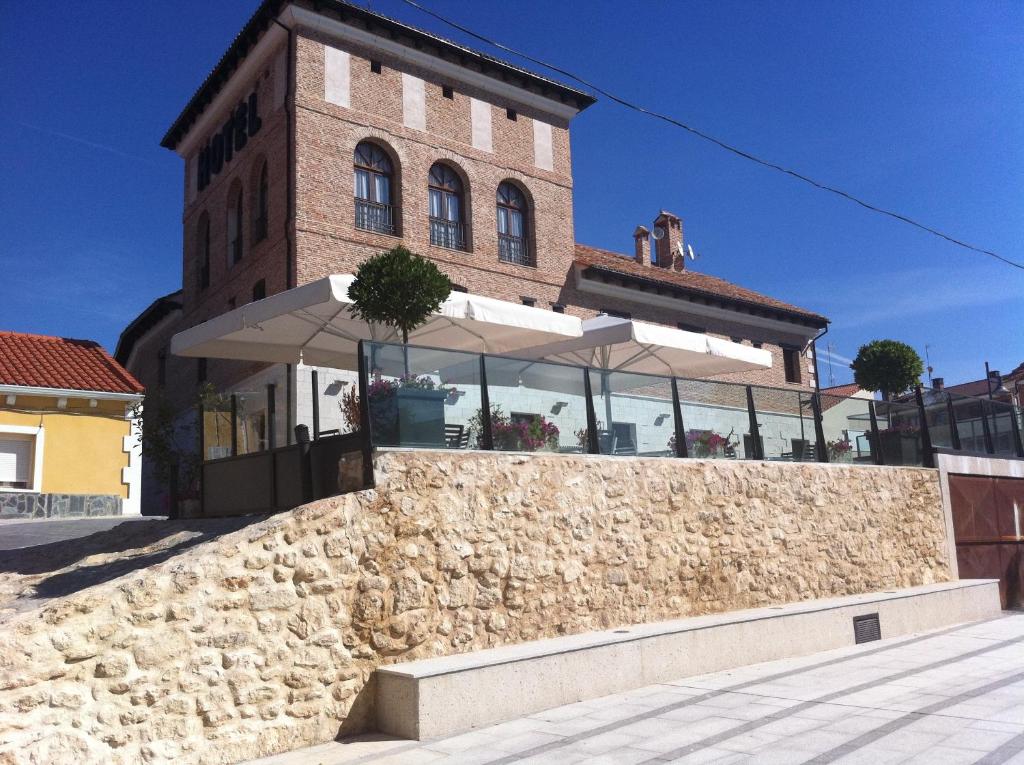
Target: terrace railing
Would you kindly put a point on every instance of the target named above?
(437, 398)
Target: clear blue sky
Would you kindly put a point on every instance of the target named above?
(918, 106)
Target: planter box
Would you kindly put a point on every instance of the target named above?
(410, 417)
(898, 448)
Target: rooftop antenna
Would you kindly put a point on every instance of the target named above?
(928, 361)
(831, 374)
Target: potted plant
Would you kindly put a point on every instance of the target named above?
(537, 434)
(839, 450)
(401, 290)
(702, 443)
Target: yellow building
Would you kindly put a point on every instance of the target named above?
(68, 441)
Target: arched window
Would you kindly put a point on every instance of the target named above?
(373, 182)
(259, 221)
(446, 222)
(203, 251)
(513, 245)
(235, 225)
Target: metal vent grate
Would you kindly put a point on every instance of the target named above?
(866, 628)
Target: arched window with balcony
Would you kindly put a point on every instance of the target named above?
(374, 182)
(513, 240)
(234, 227)
(262, 206)
(447, 226)
(203, 251)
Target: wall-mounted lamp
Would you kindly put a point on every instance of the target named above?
(93, 403)
(559, 406)
(453, 396)
(62, 403)
(11, 399)
(660, 419)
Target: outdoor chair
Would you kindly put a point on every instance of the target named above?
(456, 436)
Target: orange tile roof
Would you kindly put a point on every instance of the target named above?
(41, 361)
(689, 280)
(842, 390)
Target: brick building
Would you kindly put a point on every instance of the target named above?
(328, 133)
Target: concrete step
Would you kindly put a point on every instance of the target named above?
(443, 696)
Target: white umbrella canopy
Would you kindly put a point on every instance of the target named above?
(625, 345)
(314, 323)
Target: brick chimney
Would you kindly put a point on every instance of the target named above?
(667, 248)
(938, 383)
(642, 246)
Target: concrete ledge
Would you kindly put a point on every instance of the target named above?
(439, 697)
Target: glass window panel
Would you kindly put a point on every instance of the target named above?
(846, 423)
(899, 433)
(419, 397)
(362, 184)
(634, 414)
(715, 419)
(435, 203)
(217, 426)
(536, 406)
(786, 421)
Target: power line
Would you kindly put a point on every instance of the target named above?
(718, 142)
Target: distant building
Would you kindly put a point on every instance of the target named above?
(1012, 382)
(68, 445)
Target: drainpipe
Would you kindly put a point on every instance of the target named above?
(289, 221)
(817, 372)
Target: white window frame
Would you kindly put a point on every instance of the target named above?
(37, 455)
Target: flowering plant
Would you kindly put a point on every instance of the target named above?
(701, 443)
(838, 449)
(380, 387)
(520, 436)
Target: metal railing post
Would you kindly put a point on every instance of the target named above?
(487, 434)
(593, 444)
(928, 455)
(755, 431)
(819, 428)
(990, 446)
(271, 415)
(201, 413)
(876, 452)
(315, 383)
(954, 429)
(271, 441)
(677, 419)
(1018, 442)
(365, 427)
(234, 425)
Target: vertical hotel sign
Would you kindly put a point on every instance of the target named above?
(242, 125)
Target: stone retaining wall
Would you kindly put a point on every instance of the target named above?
(30, 505)
(265, 639)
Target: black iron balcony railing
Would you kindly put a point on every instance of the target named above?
(447, 233)
(514, 249)
(373, 216)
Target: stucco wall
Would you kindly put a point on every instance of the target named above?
(83, 447)
(265, 639)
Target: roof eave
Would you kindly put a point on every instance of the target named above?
(810, 319)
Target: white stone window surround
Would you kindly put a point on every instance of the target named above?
(37, 454)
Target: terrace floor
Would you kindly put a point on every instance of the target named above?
(954, 695)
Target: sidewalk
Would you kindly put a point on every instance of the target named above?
(16, 533)
(951, 696)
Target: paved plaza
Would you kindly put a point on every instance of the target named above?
(955, 695)
(18, 534)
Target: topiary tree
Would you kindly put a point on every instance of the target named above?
(888, 366)
(399, 289)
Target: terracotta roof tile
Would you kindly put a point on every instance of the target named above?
(842, 390)
(689, 280)
(41, 361)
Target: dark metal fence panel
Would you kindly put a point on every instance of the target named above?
(239, 485)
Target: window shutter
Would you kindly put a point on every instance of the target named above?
(14, 458)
